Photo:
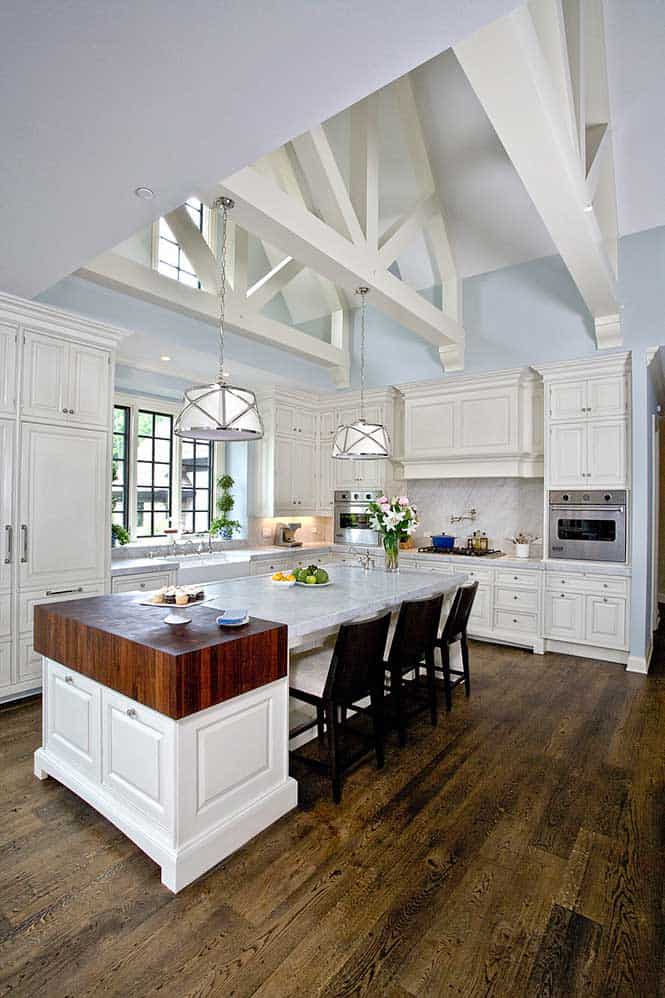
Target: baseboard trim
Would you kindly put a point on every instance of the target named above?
(614, 655)
(640, 663)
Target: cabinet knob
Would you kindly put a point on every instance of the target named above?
(141, 585)
(71, 412)
(515, 597)
(131, 712)
(64, 410)
(514, 620)
(69, 679)
(604, 599)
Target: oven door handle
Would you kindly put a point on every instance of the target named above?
(580, 509)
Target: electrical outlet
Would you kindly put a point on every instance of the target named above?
(266, 532)
(315, 530)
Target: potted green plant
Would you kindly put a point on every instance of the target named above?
(223, 524)
(118, 533)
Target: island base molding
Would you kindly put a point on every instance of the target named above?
(188, 792)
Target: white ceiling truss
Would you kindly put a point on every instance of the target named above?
(540, 75)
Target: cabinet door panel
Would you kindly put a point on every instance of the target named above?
(488, 423)
(285, 419)
(304, 474)
(306, 423)
(606, 621)
(8, 354)
(89, 386)
(28, 663)
(284, 485)
(73, 719)
(480, 612)
(45, 389)
(7, 525)
(607, 397)
(608, 453)
(63, 506)
(567, 455)
(564, 616)
(326, 477)
(429, 428)
(568, 400)
(5, 665)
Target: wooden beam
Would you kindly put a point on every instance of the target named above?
(597, 144)
(550, 23)
(401, 234)
(264, 208)
(364, 186)
(340, 336)
(413, 133)
(130, 277)
(240, 261)
(273, 283)
(505, 65)
(573, 17)
(194, 246)
(330, 197)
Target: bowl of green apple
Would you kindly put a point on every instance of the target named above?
(312, 576)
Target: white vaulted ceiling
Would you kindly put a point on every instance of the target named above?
(99, 98)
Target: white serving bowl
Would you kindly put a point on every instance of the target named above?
(285, 584)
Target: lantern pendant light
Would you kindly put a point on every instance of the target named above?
(361, 441)
(220, 411)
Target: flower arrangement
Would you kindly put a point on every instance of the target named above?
(395, 519)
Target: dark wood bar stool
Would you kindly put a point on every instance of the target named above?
(332, 685)
(413, 643)
(455, 630)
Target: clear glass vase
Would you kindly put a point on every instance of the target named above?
(391, 548)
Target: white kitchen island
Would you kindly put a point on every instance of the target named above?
(182, 742)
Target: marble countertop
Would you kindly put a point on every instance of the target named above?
(309, 610)
(136, 566)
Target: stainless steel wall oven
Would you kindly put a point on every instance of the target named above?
(588, 526)
(352, 518)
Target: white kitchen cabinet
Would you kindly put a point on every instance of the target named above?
(138, 756)
(27, 601)
(564, 616)
(304, 475)
(607, 453)
(6, 656)
(7, 526)
(295, 420)
(516, 622)
(267, 566)
(28, 663)
(481, 610)
(605, 624)
(64, 382)
(72, 721)
(5, 616)
(568, 455)
(516, 599)
(326, 478)
(587, 398)
(284, 492)
(8, 358)
(591, 454)
(62, 538)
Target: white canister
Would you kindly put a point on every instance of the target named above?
(522, 550)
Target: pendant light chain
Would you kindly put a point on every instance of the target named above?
(225, 204)
(363, 339)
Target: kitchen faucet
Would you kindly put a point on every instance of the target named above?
(459, 518)
(366, 559)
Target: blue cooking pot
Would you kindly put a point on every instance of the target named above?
(443, 541)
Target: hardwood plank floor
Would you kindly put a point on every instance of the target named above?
(516, 849)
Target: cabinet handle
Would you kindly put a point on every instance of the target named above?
(24, 534)
(515, 597)
(8, 534)
(65, 410)
(604, 599)
(514, 620)
(69, 679)
(63, 592)
(71, 412)
(131, 712)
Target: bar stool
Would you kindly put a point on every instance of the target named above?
(331, 685)
(455, 630)
(413, 642)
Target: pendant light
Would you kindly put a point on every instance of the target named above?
(220, 411)
(361, 441)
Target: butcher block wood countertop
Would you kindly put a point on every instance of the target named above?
(127, 647)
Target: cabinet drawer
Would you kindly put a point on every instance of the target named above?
(480, 611)
(267, 567)
(429, 565)
(138, 756)
(515, 577)
(142, 582)
(516, 599)
(28, 601)
(73, 719)
(5, 616)
(507, 620)
(481, 575)
(583, 583)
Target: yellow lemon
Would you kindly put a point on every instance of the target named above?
(291, 577)
(277, 577)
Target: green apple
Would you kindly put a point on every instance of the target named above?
(311, 580)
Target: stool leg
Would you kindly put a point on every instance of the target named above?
(396, 691)
(445, 662)
(465, 664)
(376, 697)
(431, 684)
(319, 722)
(333, 759)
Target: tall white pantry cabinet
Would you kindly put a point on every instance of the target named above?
(56, 404)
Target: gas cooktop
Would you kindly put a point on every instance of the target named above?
(466, 552)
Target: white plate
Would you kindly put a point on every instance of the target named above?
(237, 623)
(172, 606)
(287, 583)
(318, 585)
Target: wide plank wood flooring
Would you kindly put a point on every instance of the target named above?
(516, 849)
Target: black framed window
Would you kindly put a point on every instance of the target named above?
(196, 485)
(154, 472)
(171, 260)
(120, 486)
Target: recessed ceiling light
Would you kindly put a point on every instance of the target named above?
(145, 193)
(165, 356)
(588, 207)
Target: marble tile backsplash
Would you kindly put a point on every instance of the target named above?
(503, 505)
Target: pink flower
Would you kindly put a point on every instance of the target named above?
(385, 506)
(382, 500)
(403, 500)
